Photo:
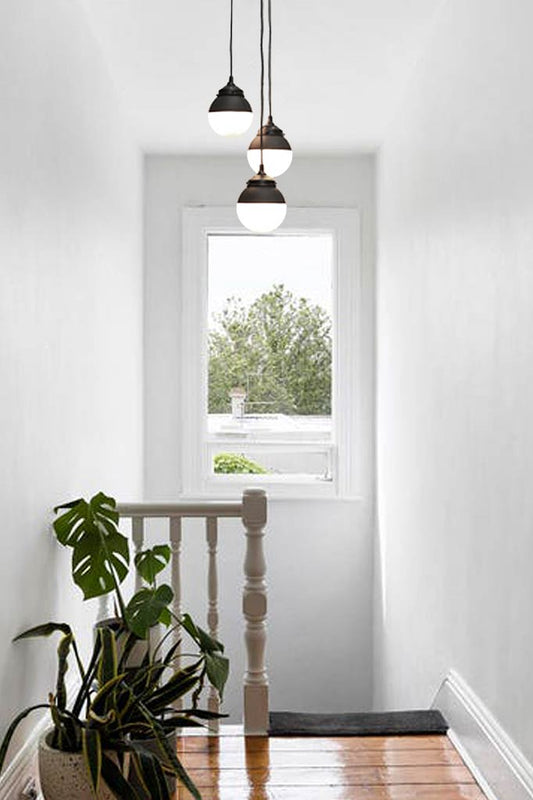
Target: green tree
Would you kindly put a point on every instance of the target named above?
(278, 349)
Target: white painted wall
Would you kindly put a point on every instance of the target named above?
(455, 375)
(70, 314)
(319, 552)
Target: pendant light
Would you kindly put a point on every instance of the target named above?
(261, 207)
(277, 153)
(230, 113)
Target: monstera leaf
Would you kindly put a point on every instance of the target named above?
(148, 607)
(150, 563)
(100, 553)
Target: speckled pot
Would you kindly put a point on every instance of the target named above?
(63, 776)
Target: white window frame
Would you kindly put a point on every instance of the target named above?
(347, 389)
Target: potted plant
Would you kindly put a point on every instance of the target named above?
(114, 740)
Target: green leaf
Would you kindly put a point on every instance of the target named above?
(99, 701)
(116, 782)
(44, 630)
(205, 642)
(165, 617)
(108, 662)
(202, 714)
(181, 682)
(145, 608)
(100, 553)
(217, 668)
(63, 650)
(92, 756)
(150, 563)
(178, 768)
(151, 773)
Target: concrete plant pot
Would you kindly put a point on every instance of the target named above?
(63, 776)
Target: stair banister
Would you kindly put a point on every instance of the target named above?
(252, 510)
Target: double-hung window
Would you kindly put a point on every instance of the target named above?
(269, 354)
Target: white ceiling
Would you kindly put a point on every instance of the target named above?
(339, 66)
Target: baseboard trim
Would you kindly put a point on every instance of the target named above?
(498, 765)
(23, 767)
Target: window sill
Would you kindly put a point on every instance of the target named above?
(283, 486)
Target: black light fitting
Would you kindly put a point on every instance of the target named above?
(261, 206)
(230, 113)
(277, 152)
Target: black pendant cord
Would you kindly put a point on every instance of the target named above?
(231, 42)
(261, 49)
(270, 60)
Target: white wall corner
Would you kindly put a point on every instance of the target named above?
(498, 765)
(23, 766)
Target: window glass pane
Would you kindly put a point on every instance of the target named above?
(270, 352)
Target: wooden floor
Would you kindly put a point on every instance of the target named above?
(231, 767)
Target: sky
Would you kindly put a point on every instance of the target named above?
(246, 266)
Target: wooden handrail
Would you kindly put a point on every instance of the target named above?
(187, 509)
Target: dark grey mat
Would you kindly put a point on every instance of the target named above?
(391, 723)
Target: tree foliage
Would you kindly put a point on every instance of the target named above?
(278, 349)
(235, 464)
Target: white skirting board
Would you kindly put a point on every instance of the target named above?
(500, 768)
(23, 767)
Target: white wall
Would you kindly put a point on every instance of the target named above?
(70, 314)
(455, 375)
(319, 553)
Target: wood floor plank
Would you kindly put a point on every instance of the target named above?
(320, 758)
(344, 768)
(407, 792)
(311, 743)
(333, 776)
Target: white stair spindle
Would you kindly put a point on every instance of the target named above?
(137, 530)
(175, 546)
(213, 700)
(255, 614)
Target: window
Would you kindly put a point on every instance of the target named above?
(269, 353)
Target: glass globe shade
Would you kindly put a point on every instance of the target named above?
(261, 217)
(275, 162)
(230, 123)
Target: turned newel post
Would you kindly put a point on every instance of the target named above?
(254, 515)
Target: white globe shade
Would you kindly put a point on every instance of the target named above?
(261, 217)
(275, 162)
(230, 123)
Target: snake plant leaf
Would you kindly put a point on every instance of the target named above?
(63, 651)
(116, 781)
(92, 756)
(100, 553)
(108, 661)
(150, 563)
(151, 773)
(44, 630)
(203, 713)
(177, 686)
(170, 754)
(99, 701)
(144, 609)
(12, 728)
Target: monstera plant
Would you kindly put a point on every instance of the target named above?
(101, 561)
(115, 735)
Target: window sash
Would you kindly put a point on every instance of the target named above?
(343, 224)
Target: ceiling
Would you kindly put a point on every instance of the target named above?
(339, 66)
